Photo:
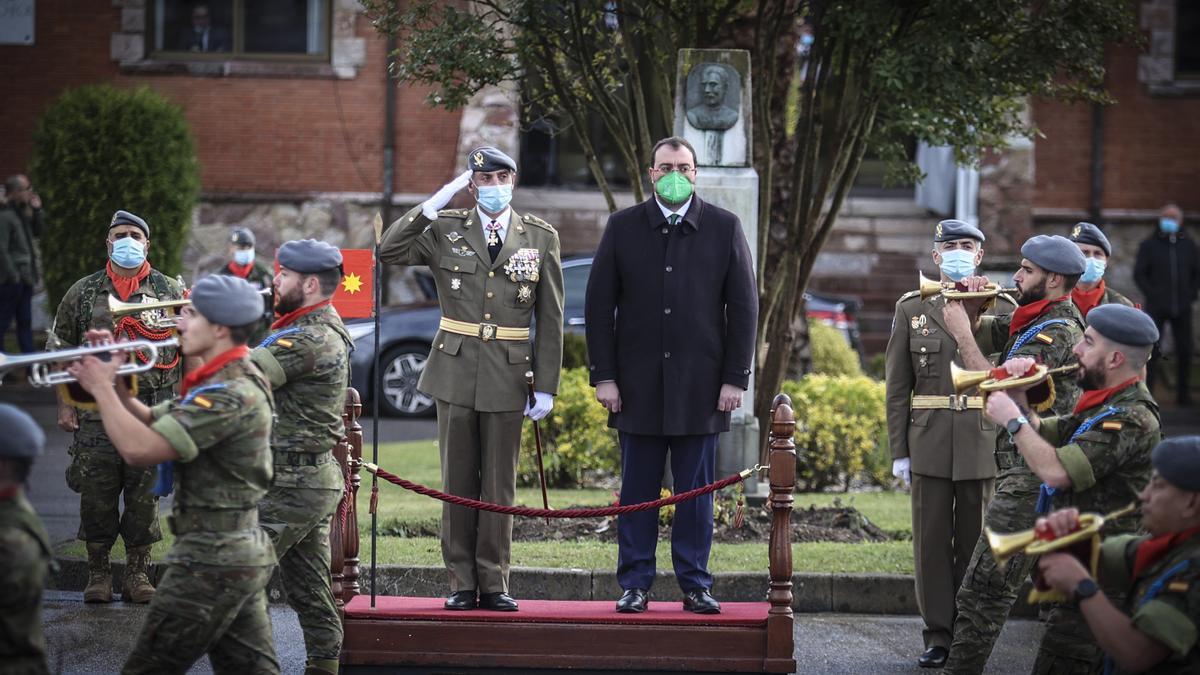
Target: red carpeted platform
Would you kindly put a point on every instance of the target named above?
(392, 608)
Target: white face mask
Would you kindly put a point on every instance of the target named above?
(958, 264)
(243, 256)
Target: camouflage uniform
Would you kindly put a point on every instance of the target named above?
(988, 592)
(1164, 599)
(1105, 450)
(1107, 297)
(308, 365)
(96, 471)
(212, 597)
(25, 558)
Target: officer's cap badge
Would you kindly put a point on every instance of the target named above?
(478, 157)
(937, 232)
(1075, 232)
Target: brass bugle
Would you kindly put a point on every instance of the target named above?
(1005, 546)
(928, 287)
(963, 379)
(46, 368)
(166, 311)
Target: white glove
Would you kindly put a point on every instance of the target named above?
(542, 404)
(442, 197)
(901, 470)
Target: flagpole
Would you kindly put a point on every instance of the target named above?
(376, 392)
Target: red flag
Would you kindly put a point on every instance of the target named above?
(355, 296)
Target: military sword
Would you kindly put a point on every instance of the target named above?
(537, 442)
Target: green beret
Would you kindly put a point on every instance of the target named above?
(227, 300)
(1054, 254)
(487, 158)
(22, 437)
(127, 218)
(1087, 233)
(1123, 325)
(1177, 460)
(309, 256)
(949, 230)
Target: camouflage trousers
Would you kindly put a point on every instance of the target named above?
(101, 478)
(297, 520)
(198, 609)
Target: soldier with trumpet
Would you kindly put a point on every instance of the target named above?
(96, 471)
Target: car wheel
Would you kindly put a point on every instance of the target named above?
(400, 368)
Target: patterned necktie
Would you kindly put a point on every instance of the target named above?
(673, 219)
(493, 239)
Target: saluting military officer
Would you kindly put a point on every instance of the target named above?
(214, 441)
(1092, 291)
(1046, 326)
(96, 471)
(25, 553)
(940, 441)
(1096, 458)
(307, 360)
(496, 272)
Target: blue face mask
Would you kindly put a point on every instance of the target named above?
(243, 256)
(1093, 271)
(494, 198)
(807, 39)
(128, 252)
(958, 264)
(1168, 225)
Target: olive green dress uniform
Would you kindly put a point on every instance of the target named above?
(479, 384)
(307, 364)
(25, 559)
(212, 597)
(951, 446)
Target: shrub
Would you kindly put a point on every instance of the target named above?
(577, 443)
(574, 351)
(840, 426)
(98, 149)
(831, 355)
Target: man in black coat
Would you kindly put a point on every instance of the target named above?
(671, 312)
(1167, 272)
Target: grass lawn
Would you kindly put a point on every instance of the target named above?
(401, 511)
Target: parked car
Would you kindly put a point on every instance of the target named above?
(406, 334)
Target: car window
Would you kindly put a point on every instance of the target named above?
(575, 280)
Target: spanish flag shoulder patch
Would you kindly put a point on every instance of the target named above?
(286, 344)
(1178, 587)
(1042, 337)
(202, 402)
(1112, 426)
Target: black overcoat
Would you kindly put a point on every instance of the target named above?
(671, 316)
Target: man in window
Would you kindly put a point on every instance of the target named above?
(200, 35)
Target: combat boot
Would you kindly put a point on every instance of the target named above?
(99, 588)
(321, 667)
(137, 587)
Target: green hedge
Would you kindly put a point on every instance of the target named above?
(831, 354)
(98, 149)
(841, 431)
(577, 444)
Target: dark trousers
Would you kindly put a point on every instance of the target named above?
(1181, 332)
(693, 465)
(16, 301)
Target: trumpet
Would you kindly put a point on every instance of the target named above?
(928, 287)
(160, 315)
(998, 379)
(45, 369)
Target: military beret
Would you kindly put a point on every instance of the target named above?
(487, 158)
(242, 237)
(309, 256)
(227, 300)
(1123, 325)
(1054, 254)
(127, 218)
(949, 230)
(1177, 460)
(1087, 233)
(22, 437)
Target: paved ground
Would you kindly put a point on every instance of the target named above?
(97, 638)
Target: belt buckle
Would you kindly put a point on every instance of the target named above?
(958, 402)
(487, 331)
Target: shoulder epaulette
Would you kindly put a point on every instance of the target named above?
(453, 213)
(910, 295)
(531, 219)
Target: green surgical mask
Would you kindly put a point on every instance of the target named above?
(673, 188)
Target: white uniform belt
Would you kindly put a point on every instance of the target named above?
(483, 331)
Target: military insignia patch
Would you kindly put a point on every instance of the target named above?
(464, 251)
(1178, 587)
(1042, 337)
(286, 344)
(918, 322)
(1075, 232)
(937, 232)
(454, 237)
(455, 284)
(202, 402)
(1112, 426)
(523, 265)
(524, 293)
(478, 157)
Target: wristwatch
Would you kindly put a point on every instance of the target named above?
(1014, 425)
(1085, 589)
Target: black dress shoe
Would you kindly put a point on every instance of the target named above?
(701, 602)
(934, 657)
(497, 602)
(461, 600)
(633, 601)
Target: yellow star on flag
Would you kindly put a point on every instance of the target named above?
(352, 283)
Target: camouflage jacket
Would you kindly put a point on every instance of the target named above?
(1107, 297)
(308, 366)
(25, 559)
(85, 307)
(222, 432)
(1165, 599)
(1105, 450)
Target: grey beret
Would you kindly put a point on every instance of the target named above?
(127, 218)
(1054, 254)
(1123, 325)
(487, 158)
(22, 437)
(242, 237)
(1178, 462)
(1087, 233)
(227, 300)
(309, 256)
(949, 230)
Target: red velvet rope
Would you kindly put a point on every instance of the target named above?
(556, 513)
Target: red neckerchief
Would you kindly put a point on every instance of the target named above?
(242, 271)
(125, 286)
(1087, 300)
(1152, 550)
(1027, 314)
(9, 493)
(1091, 399)
(209, 369)
(287, 319)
